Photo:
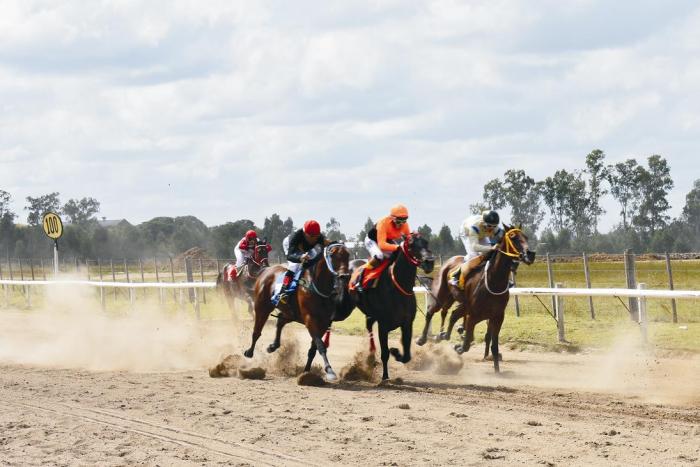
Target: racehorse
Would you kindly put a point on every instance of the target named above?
(392, 303)
(485, 294)
(322, 288)
(242, 287)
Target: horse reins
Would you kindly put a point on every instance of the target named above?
(413, 260)
(326, 256)
(509, 246)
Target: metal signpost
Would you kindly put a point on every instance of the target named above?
(53, 227)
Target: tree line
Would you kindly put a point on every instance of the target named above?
(571, 201)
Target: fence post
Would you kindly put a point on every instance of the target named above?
(41, 265)
(189, 277)
(196, 303)
(643, 314)
(587, 273)
(160, 289)
(102, 289)
(114, 277)
(4, 287)
(559, 313)
(128, 281)
(142, 278)
(631, 276)
(550, 278)
(670, 286)
(517, 302)
(172, 276)
(201, 274)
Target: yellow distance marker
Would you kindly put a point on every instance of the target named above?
(53, 227)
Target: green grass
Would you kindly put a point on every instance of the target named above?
(534, 328)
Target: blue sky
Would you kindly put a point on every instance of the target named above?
(227, 110)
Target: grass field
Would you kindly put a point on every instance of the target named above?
(534, 328)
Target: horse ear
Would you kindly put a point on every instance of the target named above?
(520, 226)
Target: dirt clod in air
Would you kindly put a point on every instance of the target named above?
(361, 368)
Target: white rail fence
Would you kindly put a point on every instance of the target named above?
(641, 294)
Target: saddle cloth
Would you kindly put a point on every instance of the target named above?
(370, 278)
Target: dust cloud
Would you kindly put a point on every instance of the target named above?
(73, 332)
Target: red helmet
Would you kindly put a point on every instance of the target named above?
(250, 235)
(311, 227)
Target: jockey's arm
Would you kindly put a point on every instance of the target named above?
(384, 245)
(476, 245)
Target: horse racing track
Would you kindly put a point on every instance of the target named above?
(77, 388)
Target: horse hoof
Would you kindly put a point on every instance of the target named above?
(420, 341)
(330, 374)
(459, 349)
(248, 353)
(272, 347)
(460, 329)
(442, 336)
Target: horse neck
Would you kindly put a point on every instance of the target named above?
(320, 273)
(500, 268)
(404, 271)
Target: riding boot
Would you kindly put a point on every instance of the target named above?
(282, 295)
(371, 264)
(454, 277)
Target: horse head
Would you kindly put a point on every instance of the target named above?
(259, 260)
(415, 247)
(514, 244)
(337, 258)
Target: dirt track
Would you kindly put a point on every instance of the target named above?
(620, 409)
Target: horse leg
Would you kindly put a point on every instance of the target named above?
(261, 315)
(369, 322)
(424, 335)
(406, 333)
(468, 335)
(445, 336)
(311, 355)
(384, 345)
(487, 340)
(281, 322)
(454, 317)
(330, 374)
(494, 342)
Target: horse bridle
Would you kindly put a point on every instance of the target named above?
(327, 252)
(412, 259)
(511, 251)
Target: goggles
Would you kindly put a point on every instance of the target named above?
(400, 220)
(491, 226)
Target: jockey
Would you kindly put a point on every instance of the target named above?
(245, 248)
(382, 240)
(480, 234)
(304, 245)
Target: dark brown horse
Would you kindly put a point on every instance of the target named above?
(485, 294)
(392, 303)
(322, 288)
(242, 287)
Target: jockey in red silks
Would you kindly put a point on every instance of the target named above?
(245, 250)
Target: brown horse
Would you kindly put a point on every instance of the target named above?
(242, 287)
(322, 288)
(392, 303)
(485, 294)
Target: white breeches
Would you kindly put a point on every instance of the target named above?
(471, 252)
(241, 256)
(285, 245)
(374, 250)
(293, 267)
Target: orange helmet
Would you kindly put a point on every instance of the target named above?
(400, 211)
(250, 235)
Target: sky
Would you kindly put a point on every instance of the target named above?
(228, 109)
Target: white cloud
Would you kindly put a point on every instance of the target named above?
(227, 110)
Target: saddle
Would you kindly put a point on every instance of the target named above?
(371, 277)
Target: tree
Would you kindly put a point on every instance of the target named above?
(333, 232)
(654, 185)
(623, 178)
(445, 241)
(274, 230)
(369, 225)
(426, 232)
(5, 213)
(224, 237)
(491, 198)
(39, 206)
(81, 211)
(522, 194)
(691, 210)
(596, 174)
